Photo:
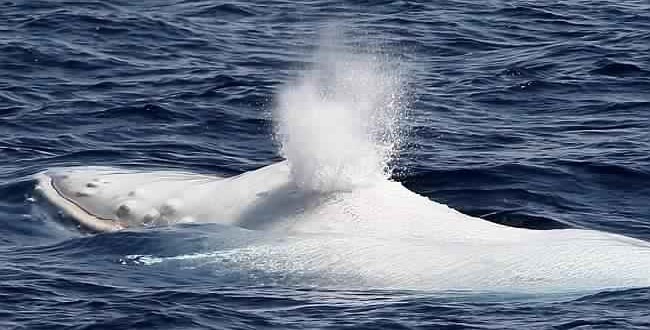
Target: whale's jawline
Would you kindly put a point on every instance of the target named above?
(46, 188)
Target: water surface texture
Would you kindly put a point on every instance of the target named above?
(533, 114)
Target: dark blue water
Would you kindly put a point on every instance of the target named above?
(528, 113)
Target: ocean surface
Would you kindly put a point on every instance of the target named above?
(531, 114)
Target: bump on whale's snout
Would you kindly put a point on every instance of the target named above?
(108, 199)
(46, 187)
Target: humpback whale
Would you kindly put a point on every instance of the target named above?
(332, 210)
(396, 237)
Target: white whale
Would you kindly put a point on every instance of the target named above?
(329, 215)
(381, 233)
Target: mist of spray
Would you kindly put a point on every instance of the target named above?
(339, 122)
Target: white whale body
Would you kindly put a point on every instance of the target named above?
(382, 233)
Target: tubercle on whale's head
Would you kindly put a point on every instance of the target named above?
(84, 220)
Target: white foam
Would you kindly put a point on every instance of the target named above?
(339, 122)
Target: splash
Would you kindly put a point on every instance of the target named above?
(339, 123)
